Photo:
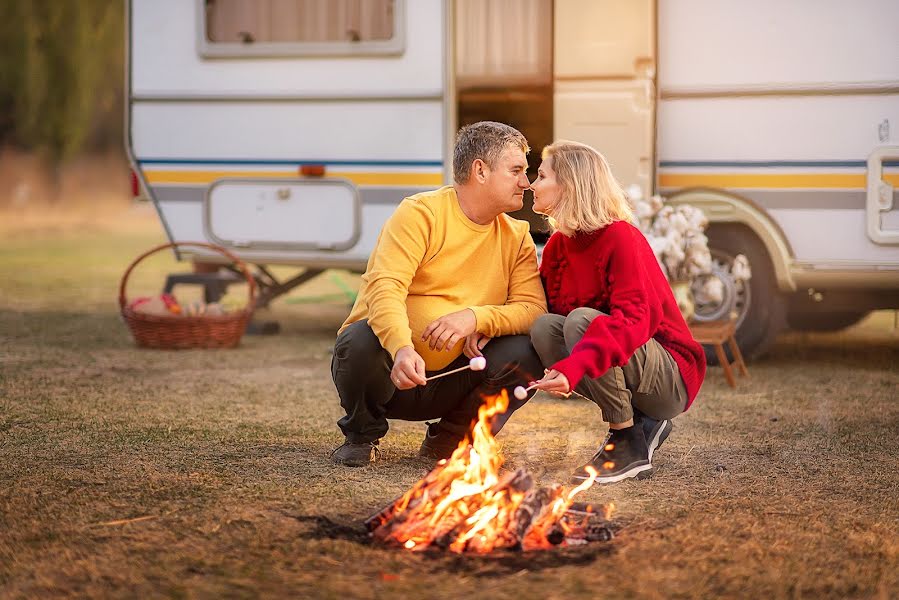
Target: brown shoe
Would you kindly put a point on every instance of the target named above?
(356, 455)
(439, 443)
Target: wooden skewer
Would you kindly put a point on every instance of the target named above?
(474, 364)
(568, 395)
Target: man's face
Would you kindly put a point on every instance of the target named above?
(507, 180)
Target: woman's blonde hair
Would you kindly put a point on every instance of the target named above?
(590, 197)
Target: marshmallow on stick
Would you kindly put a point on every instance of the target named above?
(478, 363)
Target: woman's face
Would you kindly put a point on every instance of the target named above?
(546, 188)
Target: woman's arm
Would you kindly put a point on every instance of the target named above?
(634, 310)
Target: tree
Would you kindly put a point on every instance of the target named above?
(61, 74)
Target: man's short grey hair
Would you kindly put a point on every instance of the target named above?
(486, 140)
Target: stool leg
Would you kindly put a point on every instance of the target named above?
(725, 364)
(738, 356)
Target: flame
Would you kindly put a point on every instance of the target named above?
(465, 505)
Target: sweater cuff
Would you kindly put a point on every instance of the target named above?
(394, 342)
(480, 319)
(572, 369)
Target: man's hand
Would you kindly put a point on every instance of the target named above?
(474, 344)
(553, 382)
(446, 331)
(408, 369)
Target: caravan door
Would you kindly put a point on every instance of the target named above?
(604, 82)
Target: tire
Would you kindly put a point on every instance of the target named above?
(821, 321)
(761, 308)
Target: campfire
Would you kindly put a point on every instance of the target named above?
(465, 504)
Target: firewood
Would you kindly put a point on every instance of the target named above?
(531, 508)
(519, 480)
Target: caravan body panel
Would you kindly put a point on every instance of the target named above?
(375, 121)
(782, 104)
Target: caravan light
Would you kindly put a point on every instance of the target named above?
(312, 170)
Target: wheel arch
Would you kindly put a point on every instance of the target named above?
(722, 207)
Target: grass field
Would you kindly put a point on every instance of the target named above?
(136, 473)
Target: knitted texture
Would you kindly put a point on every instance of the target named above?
(614, 270)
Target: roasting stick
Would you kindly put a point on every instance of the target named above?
(478, 363)
(521, 392)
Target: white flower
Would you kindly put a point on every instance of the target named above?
(740, 270)
(710, 292)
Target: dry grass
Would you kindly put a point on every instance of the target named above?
(126, 472)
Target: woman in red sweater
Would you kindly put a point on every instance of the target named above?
(613, 333)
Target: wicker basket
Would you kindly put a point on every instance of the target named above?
(179, 332)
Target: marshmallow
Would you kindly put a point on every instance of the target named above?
(478, 363)
(520, 393)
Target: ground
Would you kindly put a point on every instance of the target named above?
(129, 472)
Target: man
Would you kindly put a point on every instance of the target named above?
(451, 277)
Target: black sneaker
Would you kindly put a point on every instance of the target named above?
(656, 432)
(439, 443)
(623, 454)
(356, 455)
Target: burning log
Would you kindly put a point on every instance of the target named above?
(519, 481)
(465, 505)
(532, 507)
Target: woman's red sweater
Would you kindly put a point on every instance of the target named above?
(614, 270)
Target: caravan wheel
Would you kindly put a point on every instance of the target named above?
(760, 307)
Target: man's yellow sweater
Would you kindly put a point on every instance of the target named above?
(431, 260)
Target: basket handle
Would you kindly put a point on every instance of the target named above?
(251, 303)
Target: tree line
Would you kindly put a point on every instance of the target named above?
(62, 75)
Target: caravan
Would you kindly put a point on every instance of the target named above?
(288, 130)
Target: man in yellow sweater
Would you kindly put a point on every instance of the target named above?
(451, 277)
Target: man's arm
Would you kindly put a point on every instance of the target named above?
(400, 250)
(526, 300)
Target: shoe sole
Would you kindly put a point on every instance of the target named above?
(346, 463)
(659, 436)
(640, 472)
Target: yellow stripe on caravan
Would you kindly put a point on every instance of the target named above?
(763, 180)
(845, 181)
(359, 178)
(422, 179)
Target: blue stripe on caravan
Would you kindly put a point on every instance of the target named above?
(292, 163)
(773, 163)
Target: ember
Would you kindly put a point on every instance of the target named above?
(465, 505)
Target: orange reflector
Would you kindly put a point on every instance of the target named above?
(312, 170)
(135, 184)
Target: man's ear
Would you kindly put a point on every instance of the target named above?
(479, 170)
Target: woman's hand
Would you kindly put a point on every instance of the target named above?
(553, 382)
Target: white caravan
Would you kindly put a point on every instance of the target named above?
(288, 130)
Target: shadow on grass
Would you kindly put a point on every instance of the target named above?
(796, 349)
(504, 562)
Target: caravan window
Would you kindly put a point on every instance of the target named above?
(300, 27)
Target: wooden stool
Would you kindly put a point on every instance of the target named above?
(715, 333)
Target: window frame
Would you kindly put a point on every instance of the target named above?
(394, 46)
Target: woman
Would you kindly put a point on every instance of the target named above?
(613, 333)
